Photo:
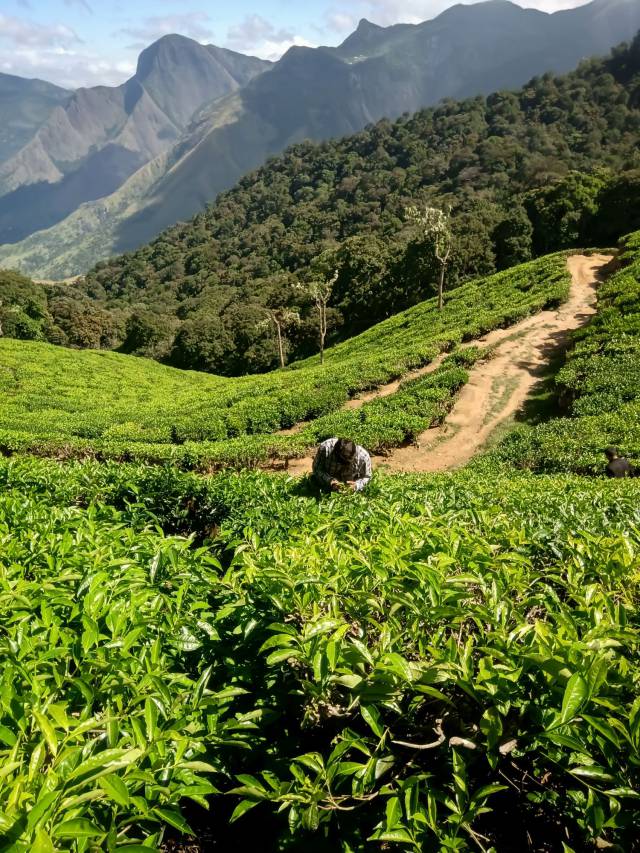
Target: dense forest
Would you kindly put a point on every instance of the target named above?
(554, 165)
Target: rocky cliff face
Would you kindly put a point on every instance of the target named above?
(92, 142)
(25, 105)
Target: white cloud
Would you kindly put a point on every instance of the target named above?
(66, 68)
(387, 12)
(257, 36)
(16, 31)
(195, 25)
(55, 53)
(340, 22)
(273, 50)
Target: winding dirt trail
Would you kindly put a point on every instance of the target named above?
(498, 387)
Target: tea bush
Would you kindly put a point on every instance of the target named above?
(441, 663)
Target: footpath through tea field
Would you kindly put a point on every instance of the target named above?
(498, 386)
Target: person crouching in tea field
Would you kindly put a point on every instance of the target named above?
(342, 464)
(618, 466)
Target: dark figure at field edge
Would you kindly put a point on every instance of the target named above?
(341, 463)
(618, 466)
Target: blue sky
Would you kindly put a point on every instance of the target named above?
(89, 42)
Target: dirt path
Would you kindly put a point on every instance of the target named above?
(497, 388)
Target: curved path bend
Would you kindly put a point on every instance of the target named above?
(497, 387)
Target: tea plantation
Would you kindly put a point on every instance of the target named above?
(405, 668)
(79, 402)
(442, 663)
(600, 384)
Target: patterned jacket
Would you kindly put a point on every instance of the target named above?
(326, 467)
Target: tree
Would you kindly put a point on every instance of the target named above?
(435, 225)
(281, 318)
(148, 333)
(320, 291)
(513, 239)
(561, 211)
(363, 289)
(201, 343)
(618, 209)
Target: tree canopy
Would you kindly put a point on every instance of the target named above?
(551, 166)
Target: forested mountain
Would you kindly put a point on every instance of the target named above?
(322, 93)
(95, 139)
(25, 105)
(554, 165)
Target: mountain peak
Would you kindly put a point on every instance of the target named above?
(364, 38)
(482, 9)
(366, 26)
(169, 44)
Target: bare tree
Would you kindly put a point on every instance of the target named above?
(435, 225)
(320, 292)
(281, 319)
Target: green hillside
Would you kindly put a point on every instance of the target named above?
(122, 405)
(551, 166)
(235, 661)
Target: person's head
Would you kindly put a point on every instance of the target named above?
(612, 453)
(345, 450)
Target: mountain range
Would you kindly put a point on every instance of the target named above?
(96, 138)
(110, 168)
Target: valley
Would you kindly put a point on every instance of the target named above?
(224, 117)
(201, 647)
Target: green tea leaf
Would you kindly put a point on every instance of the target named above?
(174, 818)
(372, 718)
(116, 789)
(76, 829)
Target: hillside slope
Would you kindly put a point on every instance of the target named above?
(526, 173)
(96, 140)
(25, 105)
(58, 397)
(599, 387)
(322, 93)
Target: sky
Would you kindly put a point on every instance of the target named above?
(96, 42)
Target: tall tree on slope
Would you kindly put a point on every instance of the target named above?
(435, 225)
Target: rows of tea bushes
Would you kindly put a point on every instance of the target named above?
(378, 424)
(390, 421)
(57, 398)
(600, 384)
(442, 663)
